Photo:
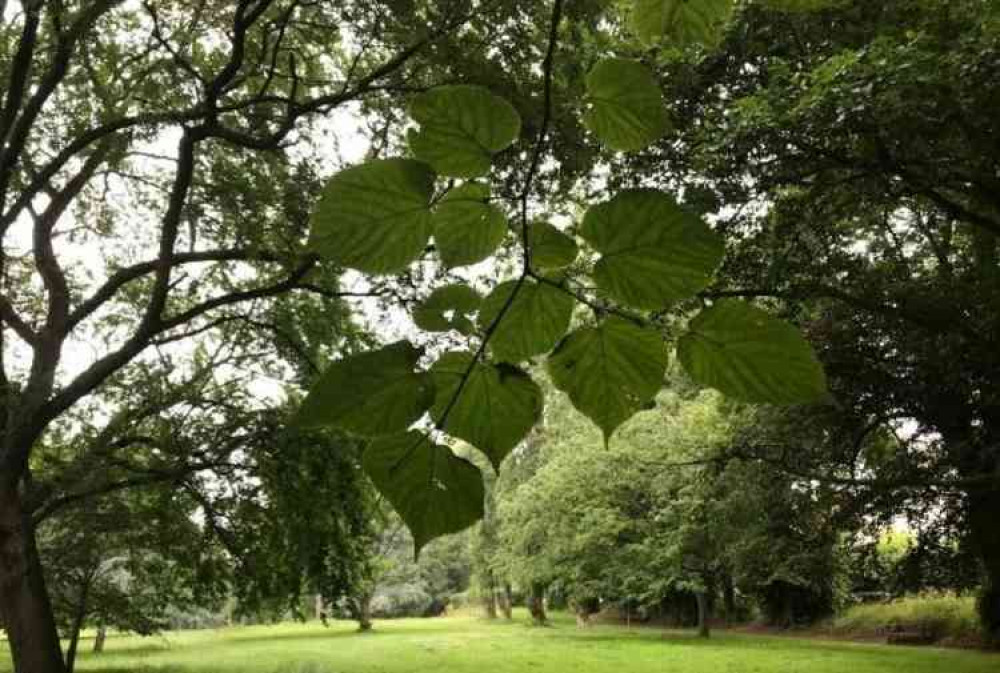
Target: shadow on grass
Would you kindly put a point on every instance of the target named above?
(302, 667)
(137, 651)
(142, 668)
(164, 644)
(257, 636)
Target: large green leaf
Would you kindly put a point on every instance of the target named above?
(750, 355)
(654, 252)
(497, 407)
(551, 248)
(448, 308)
(467, 228)
(432, 489)
(375, 217)
(371, 394)
(537, 318)
(626, 107)
(461, 128)
(610, 371)
(680, 22)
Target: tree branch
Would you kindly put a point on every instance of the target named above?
(525, 192)
(126, 275)
(820, 291)
(10, 316)
(46, 263)
(19, 132)
(20, 69)
(747, 454)
(99, 371)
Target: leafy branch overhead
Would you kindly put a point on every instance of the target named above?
(639, 251)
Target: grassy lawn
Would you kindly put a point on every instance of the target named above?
(469, 645)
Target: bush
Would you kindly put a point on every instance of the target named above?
(193, 618)
(937, 616)
(401, 600)
(462, 600)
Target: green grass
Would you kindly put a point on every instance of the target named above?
(469, 645)
(942, 616)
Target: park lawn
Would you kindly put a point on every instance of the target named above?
(470, 645)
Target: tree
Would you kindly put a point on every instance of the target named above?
(116, 563)
(854, 148)
(483, 552)
(401, 585)
(300, 526)
(144, 135)
(671, 519)
(283, 511)
(788, 549)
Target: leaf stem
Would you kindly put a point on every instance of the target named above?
(533, 166)
(543, 131)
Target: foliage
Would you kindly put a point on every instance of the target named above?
(158, 168)
(535, 316)
(938, 616)
(664, 513)
(371, 394)
(851, 205)
(116, 563)
(402, 586)
(453, 497)
(378, 217)
(467, 227)
(375, 217)
(832, 159)
(679, 22)
(461, 128)
(627, 111)
(653, 253)
(302, 527)
(735, 348)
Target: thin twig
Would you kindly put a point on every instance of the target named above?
(529, 178)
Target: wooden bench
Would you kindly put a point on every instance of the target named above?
(903, 637)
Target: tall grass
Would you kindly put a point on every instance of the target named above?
(938, 616)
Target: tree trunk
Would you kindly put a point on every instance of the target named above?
(729, 599)
(77, 625)
(536, 604)
(102, 635)
(489, 595)
(977, 456)
(584, 608)
(984, 512)
(507, 601)
(363, 612)
(24, 600)
(703, 616)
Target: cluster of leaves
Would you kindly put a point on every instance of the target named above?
(664, 513)
(643, 253)
(880, 227)
(104, 568)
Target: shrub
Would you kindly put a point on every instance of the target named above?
(193, 618)
(462, 600)
(937, 616)
(401, 600)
